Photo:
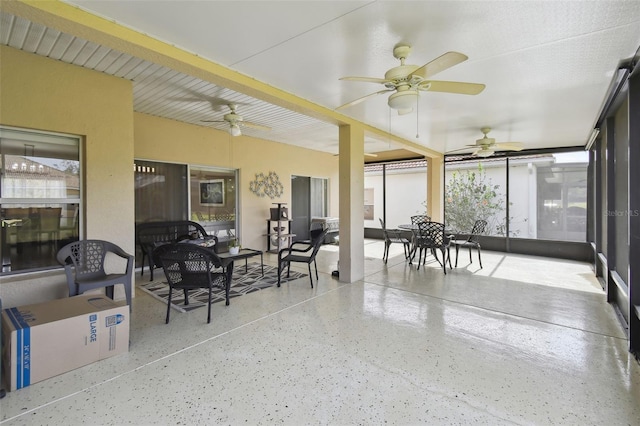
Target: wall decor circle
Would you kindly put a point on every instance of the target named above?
(267, 185)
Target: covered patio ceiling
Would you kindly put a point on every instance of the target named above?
(547, 66)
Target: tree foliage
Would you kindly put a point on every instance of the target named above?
(68, 166)
(470, 195)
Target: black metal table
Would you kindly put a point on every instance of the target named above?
(227, 259)
(245, 254)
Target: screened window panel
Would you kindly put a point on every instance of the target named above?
(476, 189)
(404, 196)
(548, 196)
(603, 191)
(621, 209)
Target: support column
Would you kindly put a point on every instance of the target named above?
(634, 213)
(611, 206)
(435, 189)
(351, 185)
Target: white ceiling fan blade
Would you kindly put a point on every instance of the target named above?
(452, 87)
(366, 79)
(439, 64)
(254, 125)
(509, 146)
(216, 103)
(213, 121)
(357, 101)
(366, 154)
(460, 149)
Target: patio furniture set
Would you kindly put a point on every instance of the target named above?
(190, 258)
(427, 237)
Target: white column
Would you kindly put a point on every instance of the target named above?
(351, 172)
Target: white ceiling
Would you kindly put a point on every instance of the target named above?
(546, 65)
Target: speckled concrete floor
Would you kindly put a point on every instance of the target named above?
(525, 340)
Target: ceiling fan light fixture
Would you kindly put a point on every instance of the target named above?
(403, 100)
(234, 130)
(485, 153)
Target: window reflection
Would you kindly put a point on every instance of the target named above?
(213, 201)
(39, 198)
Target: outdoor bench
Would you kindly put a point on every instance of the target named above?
(150, 235)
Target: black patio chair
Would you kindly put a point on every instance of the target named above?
(189, 267)
(83, 263)
(420, 218)
(302, 252)
(394, 236)
(415, 220)
(472, 241)
(431, 238)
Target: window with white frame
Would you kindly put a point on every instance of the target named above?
(40, 197)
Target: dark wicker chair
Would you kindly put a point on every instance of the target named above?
(302, 252)
(394, 236)
(472, 241)
(189, 267)
(431, 237)
(83, 263)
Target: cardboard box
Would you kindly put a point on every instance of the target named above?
(46, 339)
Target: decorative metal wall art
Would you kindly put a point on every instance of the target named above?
(267, 186)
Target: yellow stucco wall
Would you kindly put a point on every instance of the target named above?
(171, 141)
(43, 94)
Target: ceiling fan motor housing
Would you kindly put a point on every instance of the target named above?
(400, 72)
(485, 141)
(401, 51)
(232, 118)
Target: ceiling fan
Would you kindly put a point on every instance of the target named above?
(236, 121)
(406, 81)
(486, 146)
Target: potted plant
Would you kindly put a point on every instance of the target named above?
(234, 246)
